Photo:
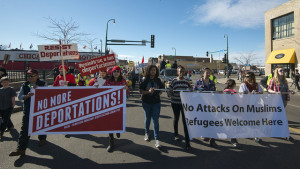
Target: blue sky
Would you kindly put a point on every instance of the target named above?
(191, 26)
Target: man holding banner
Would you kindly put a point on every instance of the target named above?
(25, 95)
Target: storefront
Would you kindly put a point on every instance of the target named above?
(285, 58)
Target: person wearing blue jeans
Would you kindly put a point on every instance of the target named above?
(151, 101)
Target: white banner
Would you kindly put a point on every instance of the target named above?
(52, 52)
(215, 115)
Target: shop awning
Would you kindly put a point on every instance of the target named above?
(282, 56)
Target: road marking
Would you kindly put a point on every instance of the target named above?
(294, 130)
(293, 105)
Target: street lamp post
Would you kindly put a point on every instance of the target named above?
(106, 52)
(227, 60)
(101, 47)
(175, 50)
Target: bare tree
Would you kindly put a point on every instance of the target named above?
(67, 31)
(246, 58)
(90, 43)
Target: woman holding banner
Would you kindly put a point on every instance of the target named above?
(151, 101)
(205, 84)
(116, 79)
(279, 84)
(179, 83)
(250, 86)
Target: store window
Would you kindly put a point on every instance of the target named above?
(283, 26)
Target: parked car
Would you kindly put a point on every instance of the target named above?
(221, 72)
(167, 75)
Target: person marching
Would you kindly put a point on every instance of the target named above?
(279, 84)
(179, 83)
(7, 103)
(230, 88)
(116, 79)
(100, 80)
(70, 79)
(250, 86)
(205, 84)
(25, 94)
(151, 101)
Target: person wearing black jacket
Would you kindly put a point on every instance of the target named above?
(25, 95)
(174, 65)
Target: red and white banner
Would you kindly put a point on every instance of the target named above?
(52, 52)
(77, 110)
(95, 65)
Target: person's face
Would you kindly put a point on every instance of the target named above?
(152, 71)
(280, 72)
(180, 72)
(32, 78)
(5, 84)
(61, 71)
(102, 74)
(116, 73)
(249, 77)
(206, 74)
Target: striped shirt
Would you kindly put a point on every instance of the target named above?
(177, 84)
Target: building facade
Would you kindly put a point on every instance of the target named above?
(282, 37)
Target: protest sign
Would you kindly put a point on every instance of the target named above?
(215, 115)
(52, 52)
(77, 110)
(131, 64)
(95, 65)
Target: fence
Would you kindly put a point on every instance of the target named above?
(21, 75)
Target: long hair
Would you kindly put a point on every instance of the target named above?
(252, 76)
(276, 76)
(147, 72)
(230, 83)
(112, 78)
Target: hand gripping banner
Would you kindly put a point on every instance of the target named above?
(77, 110)
(215, 115)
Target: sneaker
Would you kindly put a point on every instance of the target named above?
(10, 128)
(118, 135)
(257, 140)
(42, 142)
(291, 139)
(176, 138)
(212, 143)
(146, 138)
(17, 153)
(157, 145)
(234, 143)
(187, 148)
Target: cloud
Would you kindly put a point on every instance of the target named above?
(233, 13)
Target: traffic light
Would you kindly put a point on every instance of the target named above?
(207, 53)
(224, 60)
(152, 41)
(225, 56)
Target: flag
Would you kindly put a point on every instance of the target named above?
(84, 46)
(9, 45)
(143, 59)
(21, 46)
(95, 48)
(31, 46)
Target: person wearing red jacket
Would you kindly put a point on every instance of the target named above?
(59, 80)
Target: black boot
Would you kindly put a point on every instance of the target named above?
(111, 145)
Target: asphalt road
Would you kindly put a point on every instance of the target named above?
(131, 151)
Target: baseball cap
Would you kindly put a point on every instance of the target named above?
(32, 71)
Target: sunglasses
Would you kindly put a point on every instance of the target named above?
(31, 75)
(116, 71)
(280, 70)
(247, 76)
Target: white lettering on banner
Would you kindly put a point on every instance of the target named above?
(74, 111)
(234, 116)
